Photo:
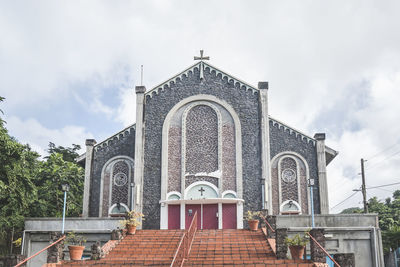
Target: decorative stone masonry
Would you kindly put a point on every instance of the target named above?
(317, 254)
(12, 260)
(116, 234)
(271, 219)
(96, 251)
(281, 247)
(345, 259)
(55, 253)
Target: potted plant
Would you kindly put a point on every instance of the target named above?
(132, 221)
(296, 245)
(252, 219)
(75, 245)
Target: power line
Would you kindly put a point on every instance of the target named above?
(379, 186)
(379, 162)
(344, 200)
(384, 150)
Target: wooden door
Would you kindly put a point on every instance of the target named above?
(229, 216)
(174, 216)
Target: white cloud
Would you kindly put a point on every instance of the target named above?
(38, 136)
(312, 53)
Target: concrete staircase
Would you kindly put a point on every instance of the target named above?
(209, 248)
(145, 248)
(235, 248)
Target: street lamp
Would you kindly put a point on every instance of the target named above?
(311, 183)
(65, 189)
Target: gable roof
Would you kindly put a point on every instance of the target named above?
(206, 66)
(330, 153)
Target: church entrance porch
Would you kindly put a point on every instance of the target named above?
(207, 215)
(217, 213)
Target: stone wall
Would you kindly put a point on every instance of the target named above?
(245, 104)
(117, 146)
(282, 140)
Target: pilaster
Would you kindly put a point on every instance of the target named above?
(139, 147)
(317, 254)
(265, 147)
(322, 180)
(88, 174)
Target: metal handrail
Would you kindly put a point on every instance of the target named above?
(185, 244)
(37, 253)
(267, 223)
(321, 247)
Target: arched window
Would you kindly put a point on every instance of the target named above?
(116, 179)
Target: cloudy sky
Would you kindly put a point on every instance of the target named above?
(68, 69)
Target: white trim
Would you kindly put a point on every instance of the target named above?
(111, 161)
(202, 201)
(229, 192)
(238, 149)
(294, 202)
(201, 183)
(174, 193)
(292, 155)
(114, 205)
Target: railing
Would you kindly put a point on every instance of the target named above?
(185, 244)
(37, 253)
(321, 247)
(267, 223)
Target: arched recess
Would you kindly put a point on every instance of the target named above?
(237, 134)
(201, 189)
(290, 207)
(289, 177)
(116, 183)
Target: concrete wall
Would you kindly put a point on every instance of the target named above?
(37, 234)
(344, 233)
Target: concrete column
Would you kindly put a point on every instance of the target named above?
(139, 147)
(322, 180)
(88, 174)
(317, 254)
(265, 147)
(345, 259)
(281, 247)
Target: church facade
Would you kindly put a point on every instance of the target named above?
(204, 142)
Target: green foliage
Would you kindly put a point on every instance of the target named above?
(74, 239)
(352, 210)
(30, 187)
(389, 218)
(252, 215)
(297, 240)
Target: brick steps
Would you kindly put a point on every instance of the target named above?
(235, 248)
(145, 248)
(209, 248)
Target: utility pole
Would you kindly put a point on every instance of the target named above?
(363, 189)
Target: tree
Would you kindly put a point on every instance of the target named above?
(18, 166)
(30, 187)
(389, 219)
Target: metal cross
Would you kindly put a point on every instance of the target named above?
(201, 190)
(201, 56)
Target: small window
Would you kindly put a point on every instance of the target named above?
(118, 210)
(173, 197)
(229, 195)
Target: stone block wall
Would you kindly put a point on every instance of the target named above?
(281, 140)
(121, 144)
(158, 104)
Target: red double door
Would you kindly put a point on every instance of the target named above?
(207, 216)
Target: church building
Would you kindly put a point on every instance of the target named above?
(204, 142)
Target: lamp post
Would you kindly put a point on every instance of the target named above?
(65, 189)
(311, 184)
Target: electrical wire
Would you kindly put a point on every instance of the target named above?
(341, 202)
(379, 186)
(384, 150)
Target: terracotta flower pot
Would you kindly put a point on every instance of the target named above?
(297, 252)
(131, 229)
(75, 252)
(253, 225)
